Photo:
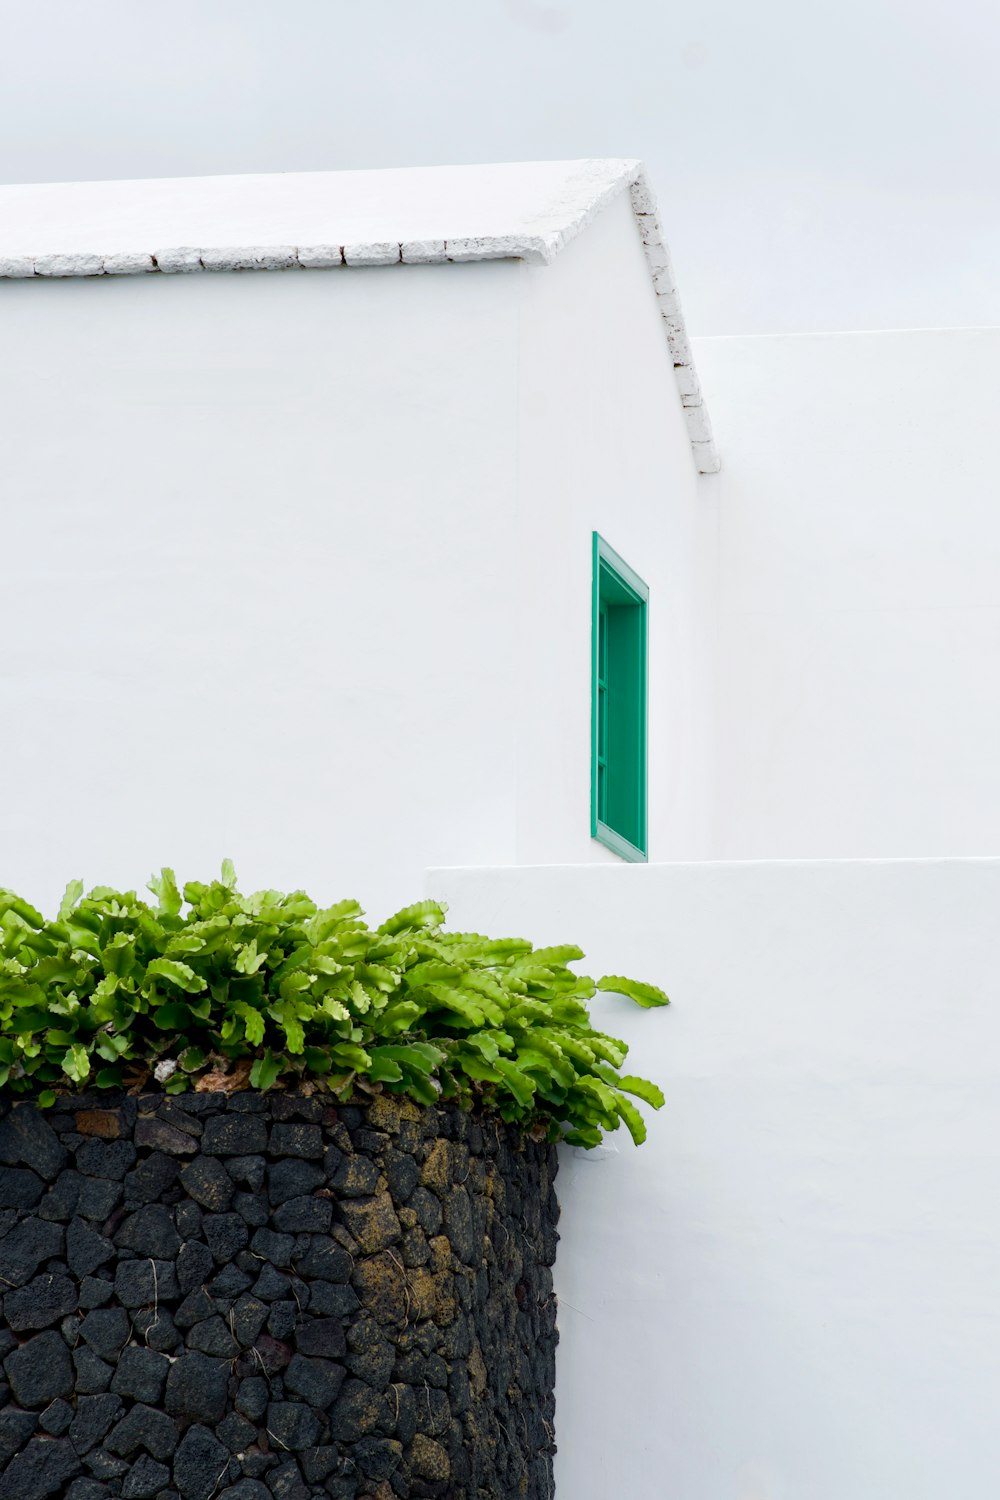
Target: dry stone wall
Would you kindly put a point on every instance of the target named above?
(263, 1297)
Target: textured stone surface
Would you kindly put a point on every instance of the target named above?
(271, 1298)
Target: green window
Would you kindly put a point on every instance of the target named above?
(618, 757)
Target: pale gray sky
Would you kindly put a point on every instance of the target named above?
(818, 167)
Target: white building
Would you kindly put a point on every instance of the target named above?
(299, 566)
(305, 555)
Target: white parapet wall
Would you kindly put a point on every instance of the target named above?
(789, 1293)
(859, 594)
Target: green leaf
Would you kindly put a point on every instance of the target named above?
(317, 1059)
(422, 915)
(71, 897)
(420, 1057)
(646, 995)
(265, 1072)
(76, 1063)
(164, 887)
(248, 960)
(182, 975)
(642, 1089)
(384, 1070)
(253, 1022)
(46, 1099)
(520, 1085)
(229, 874)
(422, 1089)
(633, 1119)
(476, 1067)
(351, 1056)
(174, 1016)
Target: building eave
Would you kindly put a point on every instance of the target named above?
(589, 187)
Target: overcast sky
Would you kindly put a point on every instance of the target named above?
(818, 167)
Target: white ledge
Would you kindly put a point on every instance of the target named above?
(526, 212)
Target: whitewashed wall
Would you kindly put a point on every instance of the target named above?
(859, 615)
(790, 1290)
(297, 568)
(257, 542)
(602, 446)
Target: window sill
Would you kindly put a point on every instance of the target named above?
(618, 845)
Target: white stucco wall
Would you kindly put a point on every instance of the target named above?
(602, 446)
(790, 1290)
(298, 568)
(859, 614)
(257, 541)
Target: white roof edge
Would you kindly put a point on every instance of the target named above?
(592, 185)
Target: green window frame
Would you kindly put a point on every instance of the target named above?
(619, 705)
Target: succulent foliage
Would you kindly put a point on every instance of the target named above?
(209, 988)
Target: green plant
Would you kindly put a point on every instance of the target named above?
(264, 990)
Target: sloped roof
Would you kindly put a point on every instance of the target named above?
(317, 220)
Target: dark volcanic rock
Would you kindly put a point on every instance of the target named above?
(86, 1250)
(106, 1330)
(323, 1337)
(41, 1469)
(144, 1283)
(195, 1264)
(197, 1386)
(372, 1222)
(150, 1231)
(19, 1187)
(357, 1177)
(151, 1179)
(110, 1159)
(199, 1463)
(25, 1136)
(356, 1413)
(141, 1375)
(40, 1370)
(226, 1235)
(92, 1374)
(306, 1215)
(16, 1427)
(207, 1180)
(293, 1425)
(39, 1304)
(24, 1247)
(305, 1141)
(146, 1428)
(274, 1298)
(212, 1336)
(324, 1261)
(145, 1479)
(161, 1136)
(291, 1178)
(317, 1381)
(95, 1415)
(235, 1135)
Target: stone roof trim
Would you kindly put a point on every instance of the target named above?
(593, 186)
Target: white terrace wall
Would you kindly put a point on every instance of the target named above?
(859, 612)
(790, 1290)
(257, 542)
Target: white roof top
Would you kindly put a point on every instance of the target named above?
(317, 220)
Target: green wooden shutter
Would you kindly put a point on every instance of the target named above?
(619, 698)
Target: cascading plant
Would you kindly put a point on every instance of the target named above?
(268, 990)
